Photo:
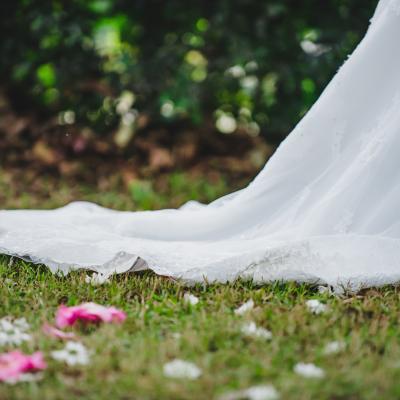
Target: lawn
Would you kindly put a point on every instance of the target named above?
(127, 360)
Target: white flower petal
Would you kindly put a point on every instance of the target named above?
(181, 369)
(334, 347)
(97, 279)
(22, 324)
(13, 331)
(190, 299)
(316, 307)
(244, 308)
(252, 330)
(260, 392)
(6, 324)
(309, 370)
(74, 353)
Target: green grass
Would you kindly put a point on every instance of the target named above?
(127, 359)
(169, 190)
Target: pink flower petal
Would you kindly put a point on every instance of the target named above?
(88, 312)
(52, 331)
(15, 363)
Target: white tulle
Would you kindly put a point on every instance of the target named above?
(324, 209)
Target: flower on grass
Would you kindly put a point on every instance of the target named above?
(260, 392)
(315, 306)
(22, 324)
(87, 312)
(15, 365)
(309, 370)
(13, 332)
(74, 353)
(181, 369)
(190, 299)
(245, 308)
(52, 331)
(97, 279)
(252, 330)
(334, 347)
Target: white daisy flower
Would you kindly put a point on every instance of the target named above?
(74, 353)
(309, 370)
(316, 307)
(252, 330)
(13, 332)
(334, 347)
(190, 299)
(22, 324)
(180, 369)
(260, 392)
(6, 325)
(245, 307)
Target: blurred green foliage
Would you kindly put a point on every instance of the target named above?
(124, 65)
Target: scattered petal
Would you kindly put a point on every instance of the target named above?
(252, 330)
(181, 369)
(13, 332)
(74, 353)
(54, 332)
(245, 308)
(190, 299)
(315, 306)
(309, 370)
(22, 324)
(260, 392)
(15, 364)
(88, 312)
(334, 347)
(97, 279)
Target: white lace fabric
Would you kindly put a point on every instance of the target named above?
(324, 209)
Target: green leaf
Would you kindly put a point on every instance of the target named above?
(46, 75)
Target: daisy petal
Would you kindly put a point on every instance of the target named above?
(180, 369)
(245, 308)
(190, 299)
(309, 370)
(316, 307)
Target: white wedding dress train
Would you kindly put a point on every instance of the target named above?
(324, 209)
